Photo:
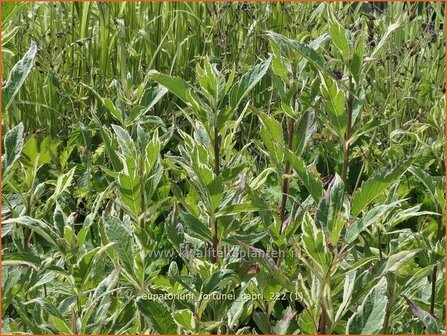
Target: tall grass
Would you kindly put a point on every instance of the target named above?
(106, 42)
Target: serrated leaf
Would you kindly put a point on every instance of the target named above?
(61, 326)
(304, 130)
(17, 258)
(371, 217)
(391, 28)
(13, 147)
(248, 82)
(327, 213)
(86, 262)
(375, 185)
(18, 75)
(125, 141)
(357, 59)
(262, 322)
(184, 319)
(195, 227)
(314, 243)
(335, 106)
(397, 260)
(117, 232)
(273, 139)
(177, 86)
(370, 316)
(152, 152)
(313, 185)
(307, 52)
(159, 317)
(38, 226)
(338, 36)
(113, 110)
(348, 288)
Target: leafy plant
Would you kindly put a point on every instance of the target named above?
(223, 168)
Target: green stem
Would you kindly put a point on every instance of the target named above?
(435, 272)
(213, 220)
(348, 133)
(391, 280)
(285, 183)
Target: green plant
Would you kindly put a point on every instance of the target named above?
(223, 168)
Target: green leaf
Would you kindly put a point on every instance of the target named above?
(160, 318)
(240, 307)
(195, 227)
(357, 59)
(151, 97)
(13, 147)
(273, 139)
(235, 209)
(208, 78)
(369, 317)
(218, 281)
(84, 265)
(19, 308)
(129, 186)
(262, 322)
(125, 141)
(304, 130)
(283, 324)
(61, 326)
(17, 258)
(63, 182)
(184, 319)
(113, 110)
(152, 152)
(120, 234)
(371, 217)
(177, 86)
(279, 66)
(375, 185)
(313, 185)
(338, 35)
(46, 305)
(391, 28)
(18, 75)
(106, 285)
(266, 262)
(314, 244)
(397, 260)
(216, 190)
(110, 146)
(327, 213)
(426, 318)
(38, 226)
(307, 52)
(348, 289)
(351, 268)
(335, 106)
(248, 82)
(400, 216)
(175, 231)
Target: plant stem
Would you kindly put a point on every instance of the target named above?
(391, 280)
(435, 272)
(213, 220)
(142, 218)
(285, 183)
(433, 290)
(322, 323)
(348, 133)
